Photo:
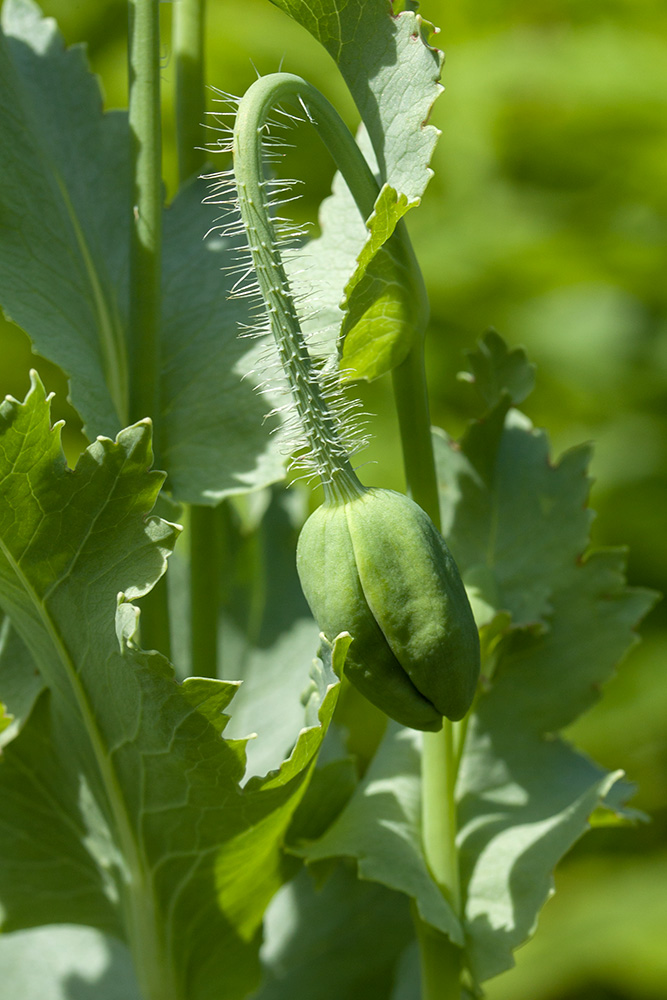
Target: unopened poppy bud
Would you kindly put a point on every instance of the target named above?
(376, 567)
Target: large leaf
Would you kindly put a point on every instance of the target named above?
(370, 275)
(525, 795)
(392, 74)
(64, 229)
(64, 235)
(554, 624)
(215, 437)
(121, 805)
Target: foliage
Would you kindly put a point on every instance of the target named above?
(127, 806)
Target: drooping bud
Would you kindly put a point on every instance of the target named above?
(375, 566)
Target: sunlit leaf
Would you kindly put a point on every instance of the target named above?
(121, 802)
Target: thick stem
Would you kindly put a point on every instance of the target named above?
(188, 46)
(440, 959)
(145, 259)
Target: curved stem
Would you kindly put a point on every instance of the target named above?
(265, 94)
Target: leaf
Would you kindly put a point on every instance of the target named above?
(64, 185)
(381, 827)
(514, 521)
(496, 370)
(20, 681)
(393, 74)
(517, 527)
(63, 963)
(121, 806)
(381, 323)
(216, 439)
(64, 233)
(524, 795)
(340, 939)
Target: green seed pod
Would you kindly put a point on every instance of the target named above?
(375, 566)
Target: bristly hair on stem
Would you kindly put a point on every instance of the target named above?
(323, 426)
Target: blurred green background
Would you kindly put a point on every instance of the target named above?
(547, 219)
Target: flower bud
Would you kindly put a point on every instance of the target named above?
(375, 566)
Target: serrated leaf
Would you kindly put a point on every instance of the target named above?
(64, 234)
(393, 74)
(514, 521)
(121, 805)
(64, 228)
(216, 439)
(524, 795)
(495, 370)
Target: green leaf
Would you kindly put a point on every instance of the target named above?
(216, 439)
(64, 185)
(64, 232)
(393, 74)
(381, 829)
(495, 370)
(61, 963)
(517, 525)
(514, 521)
(121, 805)
(381, 324)
(20, 681)
(555, 622)
(338, 940)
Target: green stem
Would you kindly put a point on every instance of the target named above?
(205, 561)
(205, 550)
(188, 47)
(320, 426)
(440, 960)
(145, 252)
(145, 258)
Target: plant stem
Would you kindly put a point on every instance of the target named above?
(145, 259)
(440, 959)
(205, 553)
(411, 397)
(188, 47)
(145, 252)
(205, 560)
(440, 963)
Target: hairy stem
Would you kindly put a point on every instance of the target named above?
(264, 95)
(145, 259)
